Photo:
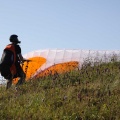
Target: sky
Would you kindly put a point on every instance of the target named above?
(61, 24)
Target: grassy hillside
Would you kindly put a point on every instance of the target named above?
(92, 93)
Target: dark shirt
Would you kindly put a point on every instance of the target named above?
(18, 51)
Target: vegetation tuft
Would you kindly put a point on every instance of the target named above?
(92, 93)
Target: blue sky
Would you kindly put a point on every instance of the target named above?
(62, 24)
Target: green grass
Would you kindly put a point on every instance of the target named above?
(92, 93)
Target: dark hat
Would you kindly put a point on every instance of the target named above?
(14, 38)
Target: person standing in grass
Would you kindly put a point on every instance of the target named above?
(10, 67)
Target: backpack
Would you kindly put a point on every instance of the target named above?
(7, 63)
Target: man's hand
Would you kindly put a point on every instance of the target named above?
(24, 60)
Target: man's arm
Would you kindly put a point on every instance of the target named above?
(21, 58)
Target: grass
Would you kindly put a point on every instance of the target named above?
(92, 93)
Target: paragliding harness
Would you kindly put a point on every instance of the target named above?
(7, 63)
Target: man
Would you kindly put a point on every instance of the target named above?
(10, 62)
